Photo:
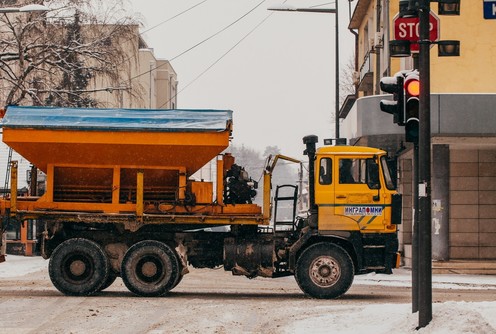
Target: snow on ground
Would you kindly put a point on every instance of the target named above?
(16, 266)
(403, 278)
(448, 318)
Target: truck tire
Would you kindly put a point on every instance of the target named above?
(179, 279)
(150, 268)
(78, 267)
(110, 280)
(324, 270)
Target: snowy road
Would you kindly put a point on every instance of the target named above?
(213, 301)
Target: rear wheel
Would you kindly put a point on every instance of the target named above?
(150, 268)
(324, 270)
(110, 280)
(78, 267)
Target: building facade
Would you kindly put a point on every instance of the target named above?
(463, 124)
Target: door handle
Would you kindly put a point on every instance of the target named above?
(340, 196)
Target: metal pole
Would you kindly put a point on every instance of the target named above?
(415, 230)
(425, 242)
(331, 11)
(337, 72)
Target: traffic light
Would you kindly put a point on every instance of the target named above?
(412, 92)
(394, 85)
(409, 8)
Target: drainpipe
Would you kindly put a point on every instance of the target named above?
(377, 50)
(356, 47)
(386, 38)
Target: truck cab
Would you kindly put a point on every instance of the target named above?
(354, 190)
(354, 211)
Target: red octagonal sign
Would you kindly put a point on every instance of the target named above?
(407, 28)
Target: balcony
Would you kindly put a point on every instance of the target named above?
(365, 83)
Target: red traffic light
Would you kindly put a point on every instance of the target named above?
(412, 85)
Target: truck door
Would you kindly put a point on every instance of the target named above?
(358, 204)
(324, 188)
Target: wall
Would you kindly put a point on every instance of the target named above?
(473, 204)
(474, 70)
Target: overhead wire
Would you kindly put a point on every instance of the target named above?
(218, 59)
(199, 43)
(163, 22)
(173, 17)
(324, 4)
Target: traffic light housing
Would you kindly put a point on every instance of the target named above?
(412, 92)
(408, 8)
(394, 85)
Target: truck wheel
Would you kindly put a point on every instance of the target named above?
(110, 280)
(78, 267)
(150, 268)
(179, 279)
(324, 270)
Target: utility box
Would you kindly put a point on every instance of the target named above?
(203, 191)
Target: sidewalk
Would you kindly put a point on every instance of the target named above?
(464, 267)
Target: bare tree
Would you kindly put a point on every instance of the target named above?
(346, 83)
(66, 55)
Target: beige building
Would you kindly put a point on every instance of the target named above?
(142, 80)
(463, 124)
(145, 81)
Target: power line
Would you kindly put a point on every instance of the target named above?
(219, 59)
(324, 4)
(163, 22)
(201, 42)
(173, 17)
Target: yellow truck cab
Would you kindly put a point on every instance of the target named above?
(354, 209)
(354, 190)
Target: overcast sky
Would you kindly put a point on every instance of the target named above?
(278, 78)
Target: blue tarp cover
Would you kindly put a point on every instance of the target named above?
(163, 120)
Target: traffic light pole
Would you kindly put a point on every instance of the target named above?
(415, 221)
(424, 210)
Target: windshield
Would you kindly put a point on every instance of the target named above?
(387, 174)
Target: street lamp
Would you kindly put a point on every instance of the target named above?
(25, 9)
(287, 8)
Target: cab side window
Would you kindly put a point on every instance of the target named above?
(348, 167)
(325, 171)
(359, 171)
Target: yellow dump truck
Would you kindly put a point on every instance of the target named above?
(120, 201)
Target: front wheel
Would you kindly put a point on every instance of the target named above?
(324, 270)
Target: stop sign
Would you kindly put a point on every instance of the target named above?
(407, 28)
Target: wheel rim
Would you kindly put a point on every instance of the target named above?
(78, 268)
(150, 269)
(324, 271)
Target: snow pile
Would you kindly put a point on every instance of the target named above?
(16, 266)
(403, 278)
(448, 318)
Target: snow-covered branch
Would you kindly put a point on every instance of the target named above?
(52, 58)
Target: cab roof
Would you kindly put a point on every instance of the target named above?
(349, 150)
